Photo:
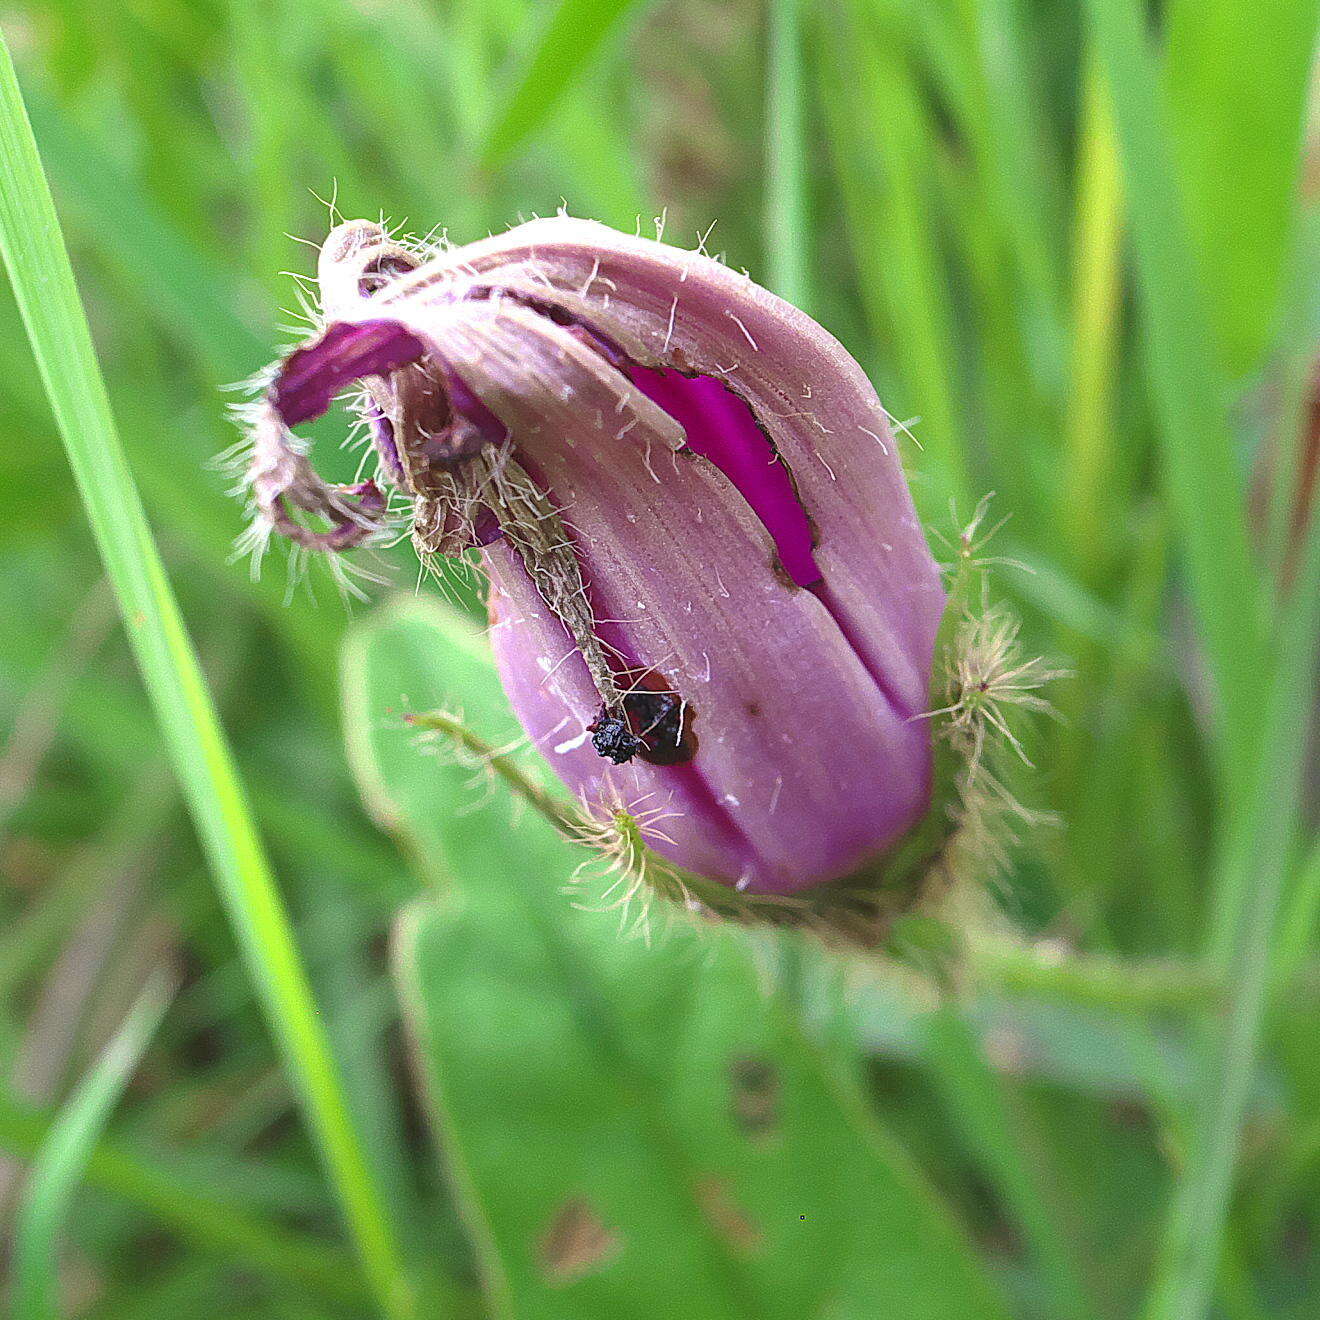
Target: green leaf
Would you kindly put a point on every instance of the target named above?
(636, 1127)
(1237, 77)
(982, 1104)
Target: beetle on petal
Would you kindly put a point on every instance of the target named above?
(709, 590)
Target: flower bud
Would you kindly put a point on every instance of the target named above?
(711, 601)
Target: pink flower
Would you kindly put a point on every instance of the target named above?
(710, 596)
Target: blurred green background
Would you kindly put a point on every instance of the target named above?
(1075, 246)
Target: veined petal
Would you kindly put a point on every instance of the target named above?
(791, 728)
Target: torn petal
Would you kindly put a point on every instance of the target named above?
(671, 309)
(804, 767)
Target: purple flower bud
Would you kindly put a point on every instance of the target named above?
(711, 601)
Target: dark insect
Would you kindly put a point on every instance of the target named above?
(613, 739)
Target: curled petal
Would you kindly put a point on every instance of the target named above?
(282, 480)
(310, 377)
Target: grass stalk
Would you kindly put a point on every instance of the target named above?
(57, 1168)
(1256, 862)
(215, 1225)
(1201, 473)
(1089, 422)
(38, 265)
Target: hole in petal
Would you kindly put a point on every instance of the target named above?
(715, 1196)
(756, 1098)
(721, 426)
(655, 723)
(578, 1242)
(486, 529)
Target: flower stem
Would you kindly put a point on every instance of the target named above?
(559, 813)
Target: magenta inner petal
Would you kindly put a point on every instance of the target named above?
(721, 427)
(310, 377)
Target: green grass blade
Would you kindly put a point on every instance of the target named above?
(787, 245)
(57, 1168)
(1020, 170)
(43, 282)
(1205, 487)
(1298, 926)
(1238, 143)
(883, 140)
(1287, 431)
(604, 172)
(568, 42)
(468, 51)
(1255, 864)
(1087, 505)
(267, 86)
(191, 297)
